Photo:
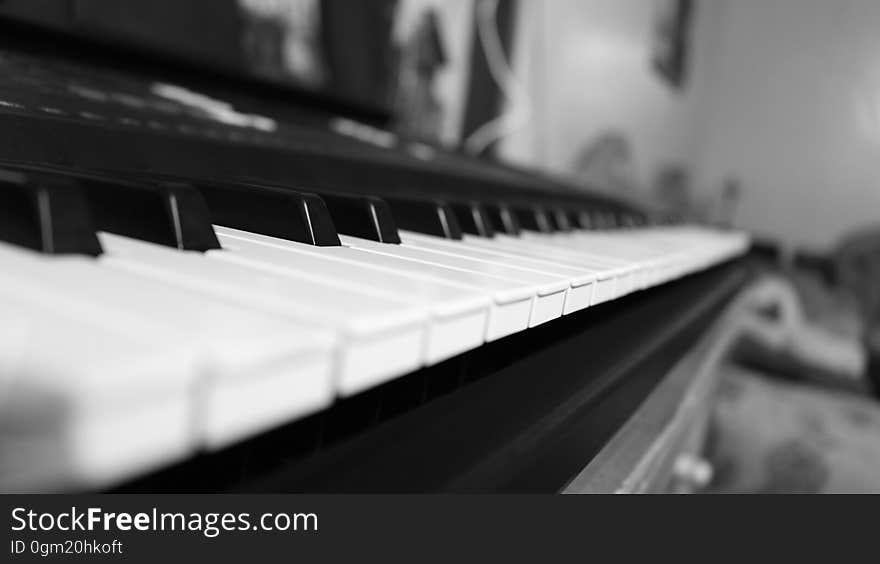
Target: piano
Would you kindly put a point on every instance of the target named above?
(210, 282)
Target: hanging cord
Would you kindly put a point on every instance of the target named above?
(502, 74)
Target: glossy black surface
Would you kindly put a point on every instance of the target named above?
(367, 217)
(532, 218)
(473, 219)
(428, 216)
(168, 213)
(45, 213)
(277, 212)
(502, 219)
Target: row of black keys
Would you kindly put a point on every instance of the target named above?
(59, 212)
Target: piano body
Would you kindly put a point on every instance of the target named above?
(212, 283)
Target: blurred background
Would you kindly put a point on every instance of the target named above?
(773, 106)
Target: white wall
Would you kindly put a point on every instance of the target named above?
(586, 65)
(795, 113)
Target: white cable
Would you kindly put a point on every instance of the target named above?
(504, 77)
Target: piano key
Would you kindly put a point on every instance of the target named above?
(86, 403)
(703, 247)
(502, 219)
(425, 216)
(671, 252)
(583, 219)
(547, 293)
(167, 213)
(245, 354)
(573, 242)
(279, 212)
(362, 216)
(604, 220)
(532, 218)
(578, 296)
(459, 315)
(510, 303)
(634, 244)
(608, 248)
(473, 218)
(609, 275)
(651, 253)
(46, 214)
(560, 220)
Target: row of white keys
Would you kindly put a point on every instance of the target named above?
(660, 254)
(648, 249)
(645, 262)
(635, 269)
(720, 245)
(678, 250)
(381, 338)
(674, 253)
(581, 280)
(510, 302)
(612, 277)
(630, 259)
(250, 371)
(457, 316)
(457, 298)
(670, 252)
(546, 291)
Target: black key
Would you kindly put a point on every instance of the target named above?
(605, 220)
(532, 218)
(669, 218)
(276, 212)
(573, 218)
(46, 213)
(367, 217)
(551, 221)
(474, 219)
(502, 219)
(626, 220)
(583, 219)
(557, 220)
(431, 217)
(173, 214)
(560, 220)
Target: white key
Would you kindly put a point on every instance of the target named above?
(381, 338)
(510, 306)
(246, 357)
(84, 402)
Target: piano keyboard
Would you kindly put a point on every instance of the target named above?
(147, 320)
